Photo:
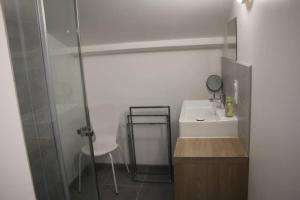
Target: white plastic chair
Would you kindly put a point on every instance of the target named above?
(105, 120)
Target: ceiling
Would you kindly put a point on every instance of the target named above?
(116, 21)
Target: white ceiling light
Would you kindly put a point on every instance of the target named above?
(241, 1)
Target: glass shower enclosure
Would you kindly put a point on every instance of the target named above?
(45, 51)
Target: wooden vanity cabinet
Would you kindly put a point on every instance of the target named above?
(210, 169)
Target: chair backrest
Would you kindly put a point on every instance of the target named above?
(105, 120)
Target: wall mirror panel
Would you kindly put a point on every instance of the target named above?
(231, 40)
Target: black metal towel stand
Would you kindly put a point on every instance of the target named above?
(133, 113)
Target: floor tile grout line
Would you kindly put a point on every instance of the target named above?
(121, 185)
(140, 190)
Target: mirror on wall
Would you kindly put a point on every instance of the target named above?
(231, 40)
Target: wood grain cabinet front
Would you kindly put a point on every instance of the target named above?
(221, 176)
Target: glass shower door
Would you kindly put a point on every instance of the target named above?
(61, 47)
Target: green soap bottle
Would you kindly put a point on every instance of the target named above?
(229, 107)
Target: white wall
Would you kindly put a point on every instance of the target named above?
(268, 38)
(122, 21)
(156, 78)
(15, 182)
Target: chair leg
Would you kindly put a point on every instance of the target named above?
(113, 171)
(123, 158)
(79, 171)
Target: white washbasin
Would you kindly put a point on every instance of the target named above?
(201, 118)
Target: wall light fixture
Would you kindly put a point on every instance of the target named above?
(241, 1)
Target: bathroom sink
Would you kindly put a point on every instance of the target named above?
(201, 118)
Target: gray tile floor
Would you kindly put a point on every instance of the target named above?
(128, 190)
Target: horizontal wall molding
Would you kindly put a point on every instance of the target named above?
(151, 46)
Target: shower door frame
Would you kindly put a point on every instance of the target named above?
(51, 93)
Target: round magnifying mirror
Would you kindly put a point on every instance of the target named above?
(214, 83)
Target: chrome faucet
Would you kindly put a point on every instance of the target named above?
(219, 102)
